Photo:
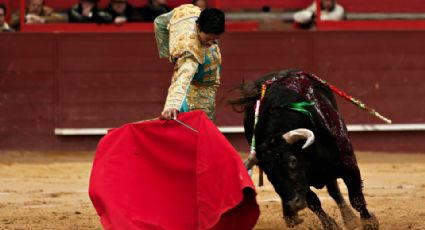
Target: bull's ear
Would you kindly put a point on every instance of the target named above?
(299, 134)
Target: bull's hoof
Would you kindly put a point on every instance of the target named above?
(351, 221)
(292, 221)
(330, 224)
(370, 224)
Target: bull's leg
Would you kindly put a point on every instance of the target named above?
(353, 181)
(314, 204)
(291, 218)
(350, 219)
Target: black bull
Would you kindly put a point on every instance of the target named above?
(302, 141)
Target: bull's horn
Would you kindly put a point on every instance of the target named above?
(299, 134)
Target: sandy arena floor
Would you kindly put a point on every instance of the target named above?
(49, 191)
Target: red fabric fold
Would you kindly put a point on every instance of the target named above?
(162, 175)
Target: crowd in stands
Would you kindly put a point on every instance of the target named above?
(121, 11)
(88, 11)
(36, 13)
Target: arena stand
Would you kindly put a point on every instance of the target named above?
(362, 7)
(391, 7)
(65, 4)
(387, 6)
(61, 6)
(371, 6)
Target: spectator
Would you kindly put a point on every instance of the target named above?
(153, 9)
(121, 11)
(37, 13)
(4, 27)
(330, 11)
(202, 4)
(86, 11)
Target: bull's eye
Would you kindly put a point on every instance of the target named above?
(292, 162)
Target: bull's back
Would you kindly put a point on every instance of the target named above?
(288, 86)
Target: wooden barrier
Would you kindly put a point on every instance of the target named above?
(101, 80)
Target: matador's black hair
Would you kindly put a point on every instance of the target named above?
(211, 21)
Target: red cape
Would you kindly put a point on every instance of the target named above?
(161, 175)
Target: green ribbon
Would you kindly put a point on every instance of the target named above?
(301, 107)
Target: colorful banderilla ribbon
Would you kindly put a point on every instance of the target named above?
(252, 160)
(353, 100)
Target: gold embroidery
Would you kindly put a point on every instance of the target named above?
(184, 71)
(183, 32)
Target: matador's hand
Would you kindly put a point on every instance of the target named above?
(169, 114)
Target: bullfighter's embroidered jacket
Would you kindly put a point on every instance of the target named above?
(196, 75)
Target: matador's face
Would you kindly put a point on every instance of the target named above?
(207, 39)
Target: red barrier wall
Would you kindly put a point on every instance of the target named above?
(103, 80)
